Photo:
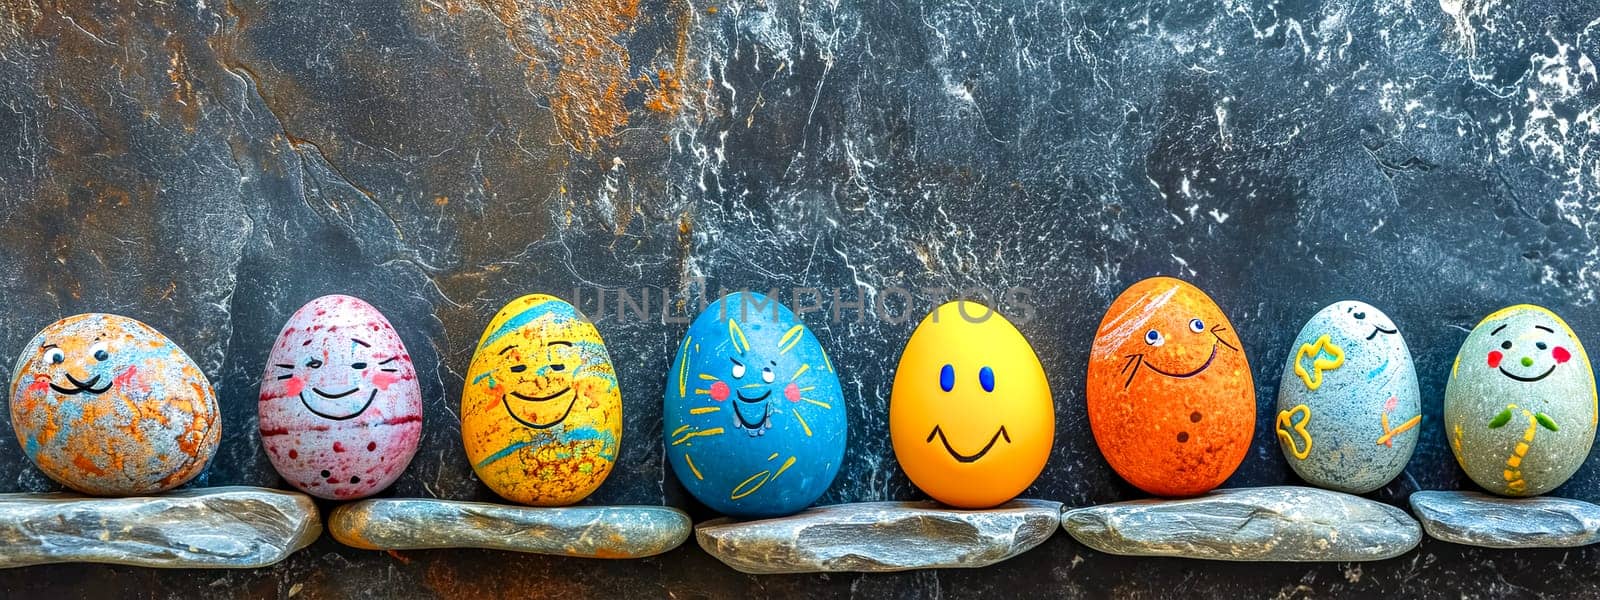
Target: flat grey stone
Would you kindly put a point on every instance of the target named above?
(1478, 519)
(1282, 523)
(880, 537)
(226, 527)
(584, 531)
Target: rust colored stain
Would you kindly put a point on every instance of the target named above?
(182, 85)
(583, 59)
(593, 72)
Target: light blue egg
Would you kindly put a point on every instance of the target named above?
(1349, 411)
(754, 417)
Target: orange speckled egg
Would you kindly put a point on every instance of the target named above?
(1170, 396)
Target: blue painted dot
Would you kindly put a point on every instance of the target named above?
(947, 378)
(986, 377)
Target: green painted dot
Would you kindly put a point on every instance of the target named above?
(1527, 361)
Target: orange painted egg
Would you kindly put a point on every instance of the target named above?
(1171, 401)
(107, 405)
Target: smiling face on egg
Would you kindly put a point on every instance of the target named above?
(970, 414)
(108, 405)
(1519, 408)
(1349, 410)
(1170, 396)
(753, 413)
(541, 414)
(340, 410)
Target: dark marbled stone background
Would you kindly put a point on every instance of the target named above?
(209, 165)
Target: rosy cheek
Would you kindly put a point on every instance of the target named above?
(1561, 355)
(1494, 359)
(792, 392)
(295, 385)
(384, 380)
(719, 391)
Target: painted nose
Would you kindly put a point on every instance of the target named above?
(1527, 361)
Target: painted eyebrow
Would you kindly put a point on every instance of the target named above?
(284, 366)
(48, 346)
(1497, 330)
(558, 343)
(1544, 328)
(361, 342)
(508, 349)
(390, 360)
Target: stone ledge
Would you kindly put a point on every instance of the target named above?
(880, 537)
(583, 531)
(1281, 523)
(226, 527)
(1477, 519)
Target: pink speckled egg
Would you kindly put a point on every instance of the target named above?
(341, 413)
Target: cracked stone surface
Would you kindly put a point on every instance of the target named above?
(227, 527)
(1477, 519)
(583, 531)
(1277, 523)
(209, 166)
(880, 537)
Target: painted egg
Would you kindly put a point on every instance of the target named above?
(541, 415)
(1348, 405)
(1171, 400)
(754, 416)
(1519, 409)
(107, 405)
(340, 411)
(970, 413)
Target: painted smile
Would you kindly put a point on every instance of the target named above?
(1197, 370)
(335, 416)
(967, 458)
(550, 397)
(1135, 361)
(335, 396)
(744, 398)
(1377, 330)
(79, 387)
(1543, 375)
(760, 421)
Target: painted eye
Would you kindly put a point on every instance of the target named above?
(358, 365)
(55, 356)
(314, 363)
(738, 369)
(1154, 338)
(518, 368)
(766, 375)
(1540, 345)
(986, 378)
(1196, 325)
(1360, 316)
(1506, 344)
(98, 351)
(947, 378)
(558, 367)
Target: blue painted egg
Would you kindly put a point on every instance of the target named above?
(1349, 410)
(754, 416)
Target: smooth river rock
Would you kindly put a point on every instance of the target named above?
(1282, 523)
(227, 527)
(1477, 519)
(584, 531)
(880, 537)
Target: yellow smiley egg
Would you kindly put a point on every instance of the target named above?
(541, 415)
(970, 414)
